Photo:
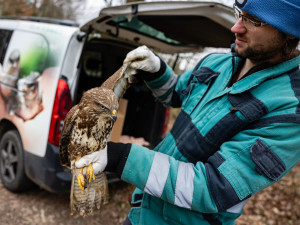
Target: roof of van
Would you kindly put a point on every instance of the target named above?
(43, 20)
(38, 27)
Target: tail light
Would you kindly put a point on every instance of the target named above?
(62, 105)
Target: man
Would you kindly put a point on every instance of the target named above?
(238, 131)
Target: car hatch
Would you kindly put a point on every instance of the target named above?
(167, 26)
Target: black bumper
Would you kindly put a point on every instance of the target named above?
(47, 171)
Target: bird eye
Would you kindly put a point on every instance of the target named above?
(101, 106)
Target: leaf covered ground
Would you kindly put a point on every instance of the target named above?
(276, 205)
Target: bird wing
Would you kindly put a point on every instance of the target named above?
(65, 136)
(119, 81)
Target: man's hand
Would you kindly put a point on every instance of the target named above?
(142, 58)
(112, 160)
(98, 160)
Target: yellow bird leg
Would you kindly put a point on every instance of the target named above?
(80, 179)
(90, 172)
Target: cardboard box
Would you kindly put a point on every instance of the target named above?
(118, 126)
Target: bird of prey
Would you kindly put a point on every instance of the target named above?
(87, 129)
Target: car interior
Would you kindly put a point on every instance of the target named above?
(144, 115)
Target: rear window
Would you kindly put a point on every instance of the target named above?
(188, 30)
(139, 26)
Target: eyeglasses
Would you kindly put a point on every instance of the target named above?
(250, 24)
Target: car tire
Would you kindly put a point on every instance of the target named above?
(12, 170)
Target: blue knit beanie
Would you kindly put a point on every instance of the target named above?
(284, 15)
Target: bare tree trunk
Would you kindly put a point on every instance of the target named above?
(49, 9)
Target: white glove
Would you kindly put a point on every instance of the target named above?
(143, 58)
(99, 160)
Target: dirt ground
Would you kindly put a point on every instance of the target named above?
(41, 207)
(276, 205)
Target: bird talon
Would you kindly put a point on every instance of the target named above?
(90, 172)
(80, 180)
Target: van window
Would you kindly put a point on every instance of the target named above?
(140, 27)
(92, 64)
(32, 50)
(4, 39)
(25, 59)
(173, 30)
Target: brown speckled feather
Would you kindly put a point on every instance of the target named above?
(65, 136)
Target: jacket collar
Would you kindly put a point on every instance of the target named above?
(259, 75)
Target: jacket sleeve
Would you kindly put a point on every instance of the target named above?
(165, 85)
(251, 161)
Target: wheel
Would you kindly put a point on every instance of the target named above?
(12, 169)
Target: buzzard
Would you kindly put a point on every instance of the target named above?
(87, 129)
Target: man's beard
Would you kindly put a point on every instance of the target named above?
(261, 53)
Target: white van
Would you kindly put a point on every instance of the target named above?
(47, 64)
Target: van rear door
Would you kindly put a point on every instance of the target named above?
(167, 27)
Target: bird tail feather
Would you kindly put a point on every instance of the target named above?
(85, 202)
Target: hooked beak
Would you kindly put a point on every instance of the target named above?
(114, 115)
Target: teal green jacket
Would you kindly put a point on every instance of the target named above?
(227, 144)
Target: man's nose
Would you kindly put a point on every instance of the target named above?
(239, 27)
